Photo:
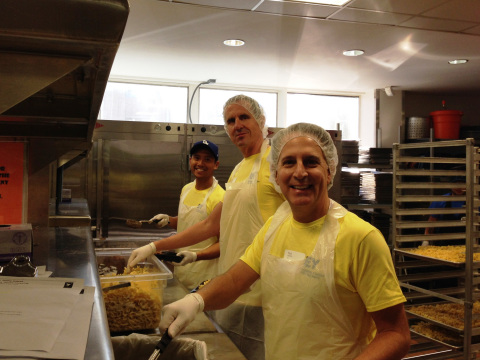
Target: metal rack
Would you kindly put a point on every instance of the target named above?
(423, 173)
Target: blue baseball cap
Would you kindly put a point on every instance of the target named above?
(205, 144)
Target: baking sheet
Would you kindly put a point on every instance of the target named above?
(423, 257)
(451, 346)
(434, 322)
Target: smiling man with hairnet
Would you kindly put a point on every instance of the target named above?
(329, 289)
(250, 199)
(197, 201)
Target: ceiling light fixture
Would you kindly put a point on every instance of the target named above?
(355, 52)
(234, 42)
(458, 61)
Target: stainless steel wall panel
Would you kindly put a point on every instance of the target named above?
(137, 170)
(142, 178)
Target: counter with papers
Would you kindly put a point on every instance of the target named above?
(61, 316)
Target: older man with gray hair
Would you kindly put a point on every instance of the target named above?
(250, 199)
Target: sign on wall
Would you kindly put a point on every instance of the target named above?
(11, 182)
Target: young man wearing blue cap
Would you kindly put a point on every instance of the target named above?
(197, 201)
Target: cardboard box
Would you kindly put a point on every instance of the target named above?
(135, 303)
(15, 240)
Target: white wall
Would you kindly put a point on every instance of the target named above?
(367, 126)
(390, 115)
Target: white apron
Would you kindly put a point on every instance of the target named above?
(303, 316)
(191, 275)
(240, 221)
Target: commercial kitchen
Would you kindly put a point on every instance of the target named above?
(73, 177)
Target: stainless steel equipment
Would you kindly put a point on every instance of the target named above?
(137, 169)
(55, 59)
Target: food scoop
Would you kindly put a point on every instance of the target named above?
(137, 224)
(161, 346)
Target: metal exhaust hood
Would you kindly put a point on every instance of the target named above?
(55, 59)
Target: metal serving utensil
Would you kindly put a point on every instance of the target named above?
(161, 346)
(118, 286)
(137, 224)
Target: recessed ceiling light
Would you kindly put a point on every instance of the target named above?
(457, 62)
(355, 52)
(234, 42)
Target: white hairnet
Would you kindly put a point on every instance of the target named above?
(314, 132)
(252, 106)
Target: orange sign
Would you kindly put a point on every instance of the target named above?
(11, 182)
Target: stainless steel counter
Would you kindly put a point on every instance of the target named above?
(68, 252)
(68, 214)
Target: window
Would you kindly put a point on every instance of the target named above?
(141, 102)
(326, 111)
(212, 101)
(162, 103)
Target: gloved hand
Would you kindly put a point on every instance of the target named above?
(140, 254)
(161, 220)
(176, 316)
(188, 257)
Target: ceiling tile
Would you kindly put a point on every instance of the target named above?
(474, 30)
(297, 9)
(413, 7)
(228, 4)
(298, 52)
(420, 22)
(372, 17)
(467, 10)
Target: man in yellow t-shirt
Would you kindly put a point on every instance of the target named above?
(360, 287)
(329, 289)
(197, 201)
(250, 199)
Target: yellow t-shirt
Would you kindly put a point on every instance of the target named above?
(268, 198)
(195, 197)
(365, 278)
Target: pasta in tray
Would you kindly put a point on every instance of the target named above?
(453, 253)
(437, 333)
(132, 308)
(446, 313)
(136, 307)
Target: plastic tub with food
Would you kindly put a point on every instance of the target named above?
(133, 301)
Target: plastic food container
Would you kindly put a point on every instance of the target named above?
(133, 301)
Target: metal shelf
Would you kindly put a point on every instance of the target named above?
(367, 166)
(422, 173)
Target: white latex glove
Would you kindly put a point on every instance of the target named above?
(140, 254)
(188, 257)
(161, 220)
(177, 315)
